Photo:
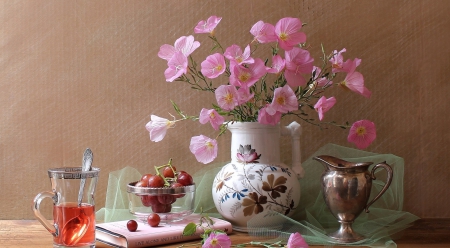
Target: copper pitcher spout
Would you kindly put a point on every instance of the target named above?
(333, 163)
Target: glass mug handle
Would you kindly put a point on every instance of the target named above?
(53, 229)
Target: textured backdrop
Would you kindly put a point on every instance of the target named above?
(77, 74)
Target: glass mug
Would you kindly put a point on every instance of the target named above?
(74, 224)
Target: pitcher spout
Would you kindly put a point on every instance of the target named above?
(333, 163)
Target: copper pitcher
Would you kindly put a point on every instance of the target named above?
(346, 189)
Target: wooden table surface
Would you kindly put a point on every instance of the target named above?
(434, 233)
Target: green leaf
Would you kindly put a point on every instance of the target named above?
(175, 106)
(189, 229)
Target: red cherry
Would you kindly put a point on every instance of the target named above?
(149, 200)
(155, 181)
(161, 208)
(184, 178)
(132, 225)
(168, 172)
(145, 177)
(177, 185)
(153, 220)
(166, 199)
(141, 184)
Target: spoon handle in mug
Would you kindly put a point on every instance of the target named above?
(388, 168)
(86, 166)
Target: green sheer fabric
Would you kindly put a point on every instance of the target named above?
(312, 218)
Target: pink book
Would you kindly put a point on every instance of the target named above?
(116, 233)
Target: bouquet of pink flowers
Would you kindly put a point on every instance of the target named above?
(256, 91)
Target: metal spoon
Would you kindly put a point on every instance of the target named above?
(75, 228)
(88, 157)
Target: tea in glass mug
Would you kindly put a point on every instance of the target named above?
(73, 206)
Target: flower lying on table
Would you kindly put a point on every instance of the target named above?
(212, 238)
(250, 89)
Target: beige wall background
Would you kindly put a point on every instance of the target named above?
(77, 74)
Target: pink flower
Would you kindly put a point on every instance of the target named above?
(247, 76)
(157, 127)
(278, 64)
(338, 64)
(264, 32)
(284, 100)
(217, 240)
(296, 241)
(362, 133)
(204, 148)
(298, 61)
(320, 81)
(354, 81)
(234, 53)
(287, 32)
(244, 95)
(211, 115)
(267, 119)
(177, 67)
(213, 66)
(337, 61)
(323, 105)
(227, 97)
(184, 44)
(208, 26)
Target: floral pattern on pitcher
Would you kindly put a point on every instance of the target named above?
(246, 186)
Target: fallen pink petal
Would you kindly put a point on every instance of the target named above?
(296, 240)
(217, 240)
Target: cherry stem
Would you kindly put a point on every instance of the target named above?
(157, 168)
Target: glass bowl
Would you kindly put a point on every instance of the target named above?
(171, 204)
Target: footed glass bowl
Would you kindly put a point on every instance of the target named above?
(171, 204)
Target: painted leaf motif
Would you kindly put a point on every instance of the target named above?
(266, 186)
(280, 188)
(247, 202)
(262, 199)
(248, 210)
(280, 180)
(270, 179)
(222, 180)
(276, 187)
(253, 204)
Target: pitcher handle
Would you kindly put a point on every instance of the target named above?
(295, 130)
(53, 229)
(386, 185)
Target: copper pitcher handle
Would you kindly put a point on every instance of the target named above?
(386, 185)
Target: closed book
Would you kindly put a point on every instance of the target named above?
(116, 233)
